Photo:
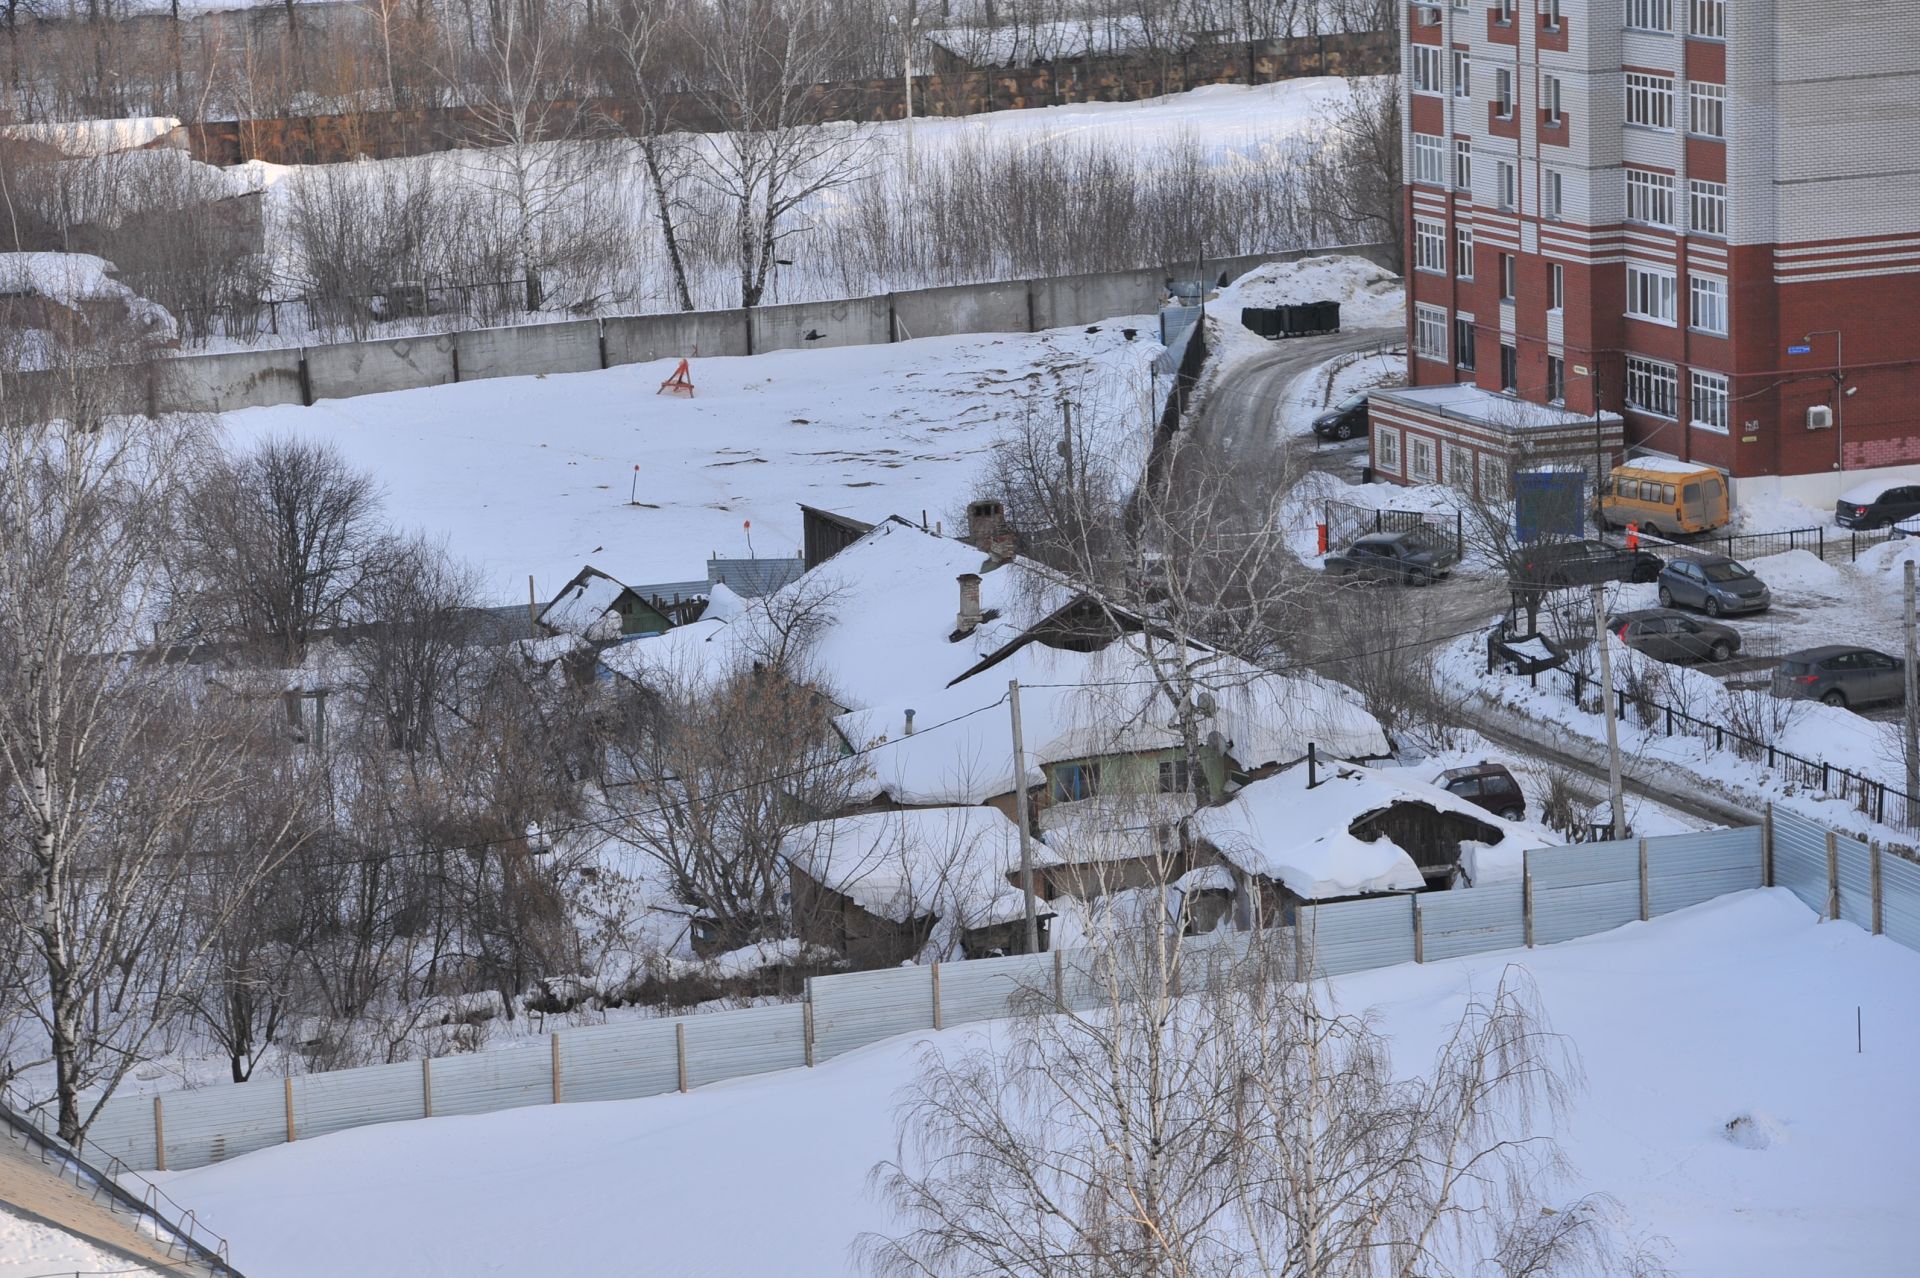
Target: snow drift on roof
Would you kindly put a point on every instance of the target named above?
(585, 607)
(77, 138)
(952, 863)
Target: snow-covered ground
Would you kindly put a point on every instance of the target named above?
(30, 1248)
(1726, 1108)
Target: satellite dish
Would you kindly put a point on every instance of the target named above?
(1205, 704)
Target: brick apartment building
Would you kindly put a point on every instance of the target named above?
(1689, 227)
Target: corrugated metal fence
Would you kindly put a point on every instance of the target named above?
(1566, 892)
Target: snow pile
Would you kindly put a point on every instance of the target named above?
(1759, 512)
(1320, 388)
(76, 279)
(1798, 572)
(1370, 296)
(83, 138)
(1755, 1130)
(31, 1248)
(1889, 558)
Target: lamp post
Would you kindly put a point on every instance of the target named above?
(1839, 391)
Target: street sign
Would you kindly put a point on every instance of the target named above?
(1799, 350)
(1580, 370)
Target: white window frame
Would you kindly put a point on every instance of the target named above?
(1430, 336)
(1556, 286)
(1653, 387)
(1430, 245)
(1454, 459)
(1650, 15)
(1463, 163)
(1429, 159)
(1649, 197)
(1493, 479)
(1506, 184)
(1707, 208)
(1706, 109)
(1710, 391)
(1386, 449)
(1709, 20)
(1463, 250)
(1553, 194)
(1420, 459)
(1650, 101)
(1509, 277)
(1424, 69)
(1652, 294)
(1550, 15)
(1550, 105)
(1463, 328)
(1462, 73)
(1503, 95)
(1553, 358)
(1503, 12)
(1707, 303)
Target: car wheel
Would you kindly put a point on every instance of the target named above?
(1836, 698)
(1713, 606)
(1343, 431)
(1512, 814)
(1666, 597)
(1719, 652)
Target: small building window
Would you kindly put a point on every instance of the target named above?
(1386, 449)
(1556, 379)
(1175, 777)
(1707, 110)
(1650, 100)
(1463, 251)
(1509, 369)
(1707, 303)
(1430, 245)
(1463, 163)
(1463, 343)
(1650, 15)
(1651, 295)
(1420, 450)
(1709, 400)
(1652, 387)
(1073, 781)
(1430, 332)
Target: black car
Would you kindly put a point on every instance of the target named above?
(1406, 557)
(1877, 504)
(1344, 420)
(1487, 785)
(1558, 565)
(1666, 635)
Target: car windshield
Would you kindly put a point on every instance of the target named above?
(1351, 401)
(1727, 572)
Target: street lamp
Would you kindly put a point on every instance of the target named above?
(1839, 389)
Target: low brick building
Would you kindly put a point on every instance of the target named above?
(1475, 439)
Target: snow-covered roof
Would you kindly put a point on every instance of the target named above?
(585, 606)
(951, 862)
(72, 279)
(1665, 465)
(77, 138)
(1279, 829)
(1110, 828)
(1489, 408)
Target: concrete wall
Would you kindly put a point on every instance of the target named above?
(1082, 299)
(240, 379)
(637, 339)
(963, 308)
(368, 368)
(852, 321)
(572, 347)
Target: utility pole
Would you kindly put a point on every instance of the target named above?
(1912, 715)
(1020, 807)
(1608, 708)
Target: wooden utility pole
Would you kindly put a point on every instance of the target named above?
(1020, 808)
(1912, 715)
(1608, 708)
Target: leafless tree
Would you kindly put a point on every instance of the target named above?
(1352, 186)
(642, 42)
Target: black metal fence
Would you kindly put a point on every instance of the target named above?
(1345, 523)
(1831, 544)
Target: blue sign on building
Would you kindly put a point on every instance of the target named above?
(1799, 350)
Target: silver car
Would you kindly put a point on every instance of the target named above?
(1714, 584)
(1841, 676)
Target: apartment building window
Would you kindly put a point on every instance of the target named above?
(1386, 449)
(1707, 109)
(1462, 74)
(1650, 100)
(1462, 4)
(1426, 68)
(1707, 212)
(1550, 99)
(1652, 387)
(1553, 193)
(1556, 286)
(1463, 342)
(1463, 163)
(1503, 92)
(1509, 369)
(1503, 12)
(1651, 295)
(1550, 14)
(1556, 379)
(1708, 400)
(1430, 245)
(1506, 178)
(1463, 252)
(1707, 303)
(1710, 19)
(1506, 277)
(1650, 197)
(1429, 159)
(1650, 15)
(1420, 455)
(1430, 332)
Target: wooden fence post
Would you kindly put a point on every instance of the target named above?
(1766, 848)
(1876, 888)
(1526, 895)
(806, 1025)
(680, 1050)
(288, 1081)
(159, 1137)
(1833, 875)
(426, 1087)
(936, 996)
(1646, 900)
(1419, 934)
(554, 1038)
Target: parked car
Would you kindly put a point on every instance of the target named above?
(1714, 584)
(1666, 635)
(1557, 565)
(1344, 420)
(1841, 675)
(1669, 497)
(1487, 785)
(1411, 558)
(1877, 504)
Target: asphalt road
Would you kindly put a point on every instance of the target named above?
(1239, 416)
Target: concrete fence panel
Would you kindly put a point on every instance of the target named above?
(1587, 888)
(336, 1101)
(641, 339)
(1471, 920)
(618, 1062)
(753, 1040)
(1800, 858)
(237, 379)
(1352, 936)
(854, 321)
(963, 308)
(368, 368)
(1686, 869)
(528, 349)
(1067, 300)
(859, 1008)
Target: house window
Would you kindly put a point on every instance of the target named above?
(1550, 14)
(1430, 332)
(1650, 15)
(1651, 294)
(1556, 379)
(1463, 342)
(1503, 92)
(1707, 110)
(1462, 74)
(1652, 387)
(1553, 193)
(1509, 369)
(1426, 68)
(1707, 203)
(1506, 179)
(1463, 163)
(1556, 286)
(1420, 455)
(1493, 478)
(1429, 159)
(1459, 467)
(1650, 197)
(1707, 303)
(1650, 100)
(1174, 777)
(1386, 449)
(1073, 781)
(1430, 245)
(1708, 399)
(1503, 12)
(1550, 99)
(1463, 251)
(1506, 277)
(1710, 19)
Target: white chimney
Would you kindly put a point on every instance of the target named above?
(909, 723)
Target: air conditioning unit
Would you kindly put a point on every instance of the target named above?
(1427, 15)
(1819, 417)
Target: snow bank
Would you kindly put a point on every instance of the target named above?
(1798, 572)
(81, 138)
(1370, 296)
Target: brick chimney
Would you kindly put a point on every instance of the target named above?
(987, 529)
(969, 603)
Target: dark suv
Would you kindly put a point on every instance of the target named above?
(1411, 558)
(1877, 504)
(1487, 785)
(1557, 565)
(1344, 420)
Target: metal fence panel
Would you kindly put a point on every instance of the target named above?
(210, 1124)
(1800, 859)
(346, 1098)
(483, 1082)
(1854, 864)
(1351, 936)
(616, 1062)
(983, 989)
(1471, 920)
(124, 1129)
(1686, 869)
(1900, 900)
(748, 1040)
(1583, 889)
(857, 1008)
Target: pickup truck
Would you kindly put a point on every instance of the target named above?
(1559, 565)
